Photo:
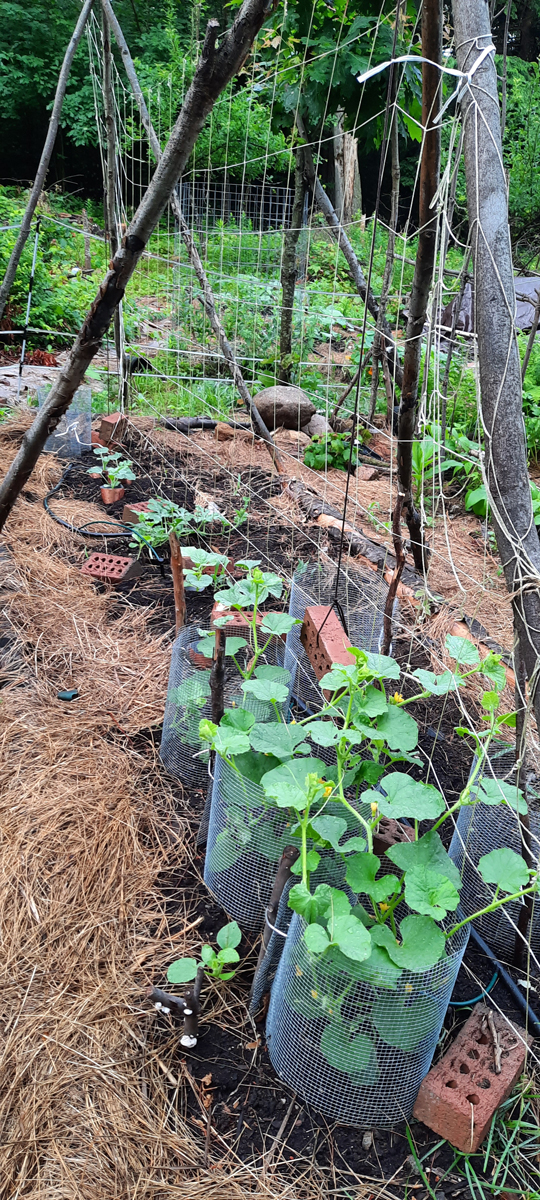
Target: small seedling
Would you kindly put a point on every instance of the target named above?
(215, 964)
(112, 467)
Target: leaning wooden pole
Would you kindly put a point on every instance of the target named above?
(110, 165)
(45, 159)
(505, 449)
(432, 22)
(216, 67)
(187, 238)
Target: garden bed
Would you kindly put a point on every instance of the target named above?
(103, 887)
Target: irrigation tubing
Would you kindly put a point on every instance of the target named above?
(123, 531)
(533, 1021)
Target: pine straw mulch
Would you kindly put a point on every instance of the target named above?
(91, 1105)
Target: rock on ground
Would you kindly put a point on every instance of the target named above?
(285, 406)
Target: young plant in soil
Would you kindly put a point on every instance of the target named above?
(255, 683)
(219, 965)
(384, 921)
(114, 469)
(164, 517)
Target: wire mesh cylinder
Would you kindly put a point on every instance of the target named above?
(362, 598)
(481, 828)
(74, 430)
(354, 1041)
(188, 702)
(246, 838)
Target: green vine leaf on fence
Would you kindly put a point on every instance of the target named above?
(323, 733)
(493, 669)
(430, 893)
(309, 906)
(496, 791)
(330, 829)
(380, 665)
(354, 1055)
(505, 868)
(316, 939)
(369, 702)
(405, 797)
(238, 718)
(428, 851)
(398, 728)
(464, 652)
(280, 740)
(313, 859)
(422, 944)
(278, 623)
(266, 690)
(361, 872)
(404, 1024)
(437, 685)
(228, 741)
(289, 783)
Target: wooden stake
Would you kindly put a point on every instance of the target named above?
(177, 568)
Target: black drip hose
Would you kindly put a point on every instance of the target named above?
(123, 531)
(533, 1023)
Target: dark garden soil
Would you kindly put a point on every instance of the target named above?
(249, 1104)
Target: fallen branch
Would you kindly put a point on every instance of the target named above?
(283, 874)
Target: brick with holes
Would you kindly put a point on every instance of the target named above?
(112, 428)
(458, 1097)
(324, 639)
(111, 568)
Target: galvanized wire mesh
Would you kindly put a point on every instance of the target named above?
(73, 432)
(188, 701)
(355, 1042)
(246, 838)
(481, 828)
(362, 598)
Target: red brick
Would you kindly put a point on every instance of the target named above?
(324, 639)
(459, 1096)
(113, 426)
(388, 832)
(130, 515)
(240, 620)
(111, 568)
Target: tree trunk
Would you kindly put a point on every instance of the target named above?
(185, 233)
(344, 244)
(45, 159)
(507, 478)
(423, 271)
(288, 269)
(388, 267)
(347, 187)
(215, 68)
(110, 172)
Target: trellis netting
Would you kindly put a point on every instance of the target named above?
(74, 430)
(361, 597)
(189, 700)
(481, 828)
(353, 1039)
(246, 838)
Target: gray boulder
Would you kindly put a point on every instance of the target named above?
(317, 425)
(284, 406)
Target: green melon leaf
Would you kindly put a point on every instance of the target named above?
(428, 851)
(182, 971)
(422, 944)
(505, 868)
(430, 893)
